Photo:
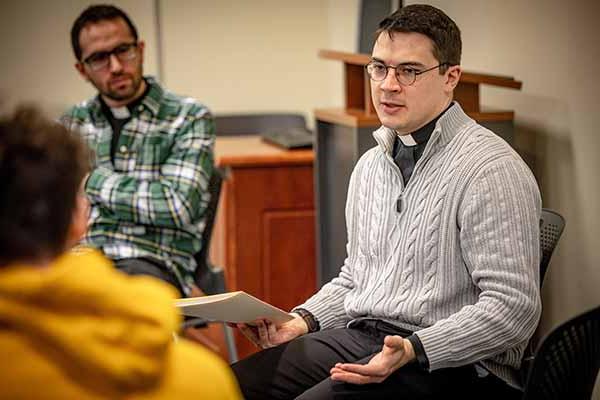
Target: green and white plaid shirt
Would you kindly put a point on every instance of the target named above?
(151, 202)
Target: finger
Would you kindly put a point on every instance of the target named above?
(393, 347)
(353, 378)
(271, 330)
(396, 342)
(263, 334)
(249, 333)
(365, 370)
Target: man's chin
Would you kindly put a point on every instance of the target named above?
(393, 123)
(121, 95)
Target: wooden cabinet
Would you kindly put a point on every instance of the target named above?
(264, 236)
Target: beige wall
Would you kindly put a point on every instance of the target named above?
(37, 60)
(247, 56)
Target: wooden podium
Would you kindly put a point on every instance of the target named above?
(344, 134)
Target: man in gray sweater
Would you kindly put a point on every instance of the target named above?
(439, 294)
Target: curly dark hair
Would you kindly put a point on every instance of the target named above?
(431, 22)
(42, 165)
(94, 14)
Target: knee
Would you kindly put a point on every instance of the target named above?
(257, 369)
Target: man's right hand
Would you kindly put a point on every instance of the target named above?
(265, 334)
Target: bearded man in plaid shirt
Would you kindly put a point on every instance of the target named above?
(153, 154)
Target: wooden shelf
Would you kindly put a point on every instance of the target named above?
(359, 110)
(358, 119)
(348, 117)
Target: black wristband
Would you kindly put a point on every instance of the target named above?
(422, 359)
(309, 319)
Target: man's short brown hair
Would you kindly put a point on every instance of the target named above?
(93, 15)
(42, 165)
(431, 22)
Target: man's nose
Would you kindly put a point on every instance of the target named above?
(115, 64)
(390, 83)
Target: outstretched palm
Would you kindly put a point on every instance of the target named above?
(395, 353)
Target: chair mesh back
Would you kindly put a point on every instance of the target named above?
(566, 364)
(255, 124)
(205, 279)
(551, 227)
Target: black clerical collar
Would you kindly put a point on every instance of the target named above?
(422, 134)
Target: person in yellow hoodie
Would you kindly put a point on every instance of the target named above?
(71, 325)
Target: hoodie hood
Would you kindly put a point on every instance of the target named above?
(104, 329)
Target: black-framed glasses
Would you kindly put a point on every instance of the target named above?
(405, 75)
(101, 59)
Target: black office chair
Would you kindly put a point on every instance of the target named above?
(255, 124)
(552, 225)
(210, 278)
(567, 362)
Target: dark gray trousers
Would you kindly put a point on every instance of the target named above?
(300, 370)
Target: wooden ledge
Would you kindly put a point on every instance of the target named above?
(466, 77)
(251, 151)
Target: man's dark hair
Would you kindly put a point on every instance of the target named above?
(42, 165)
(431, 22)
(95, 14)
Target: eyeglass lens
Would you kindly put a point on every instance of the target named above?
(378, 72)
(99, 60)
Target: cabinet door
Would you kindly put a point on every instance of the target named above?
(265, 235)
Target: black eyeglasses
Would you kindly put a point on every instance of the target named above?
(405, 75)
(99, 60)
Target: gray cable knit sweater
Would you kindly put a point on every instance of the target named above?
(459, 264)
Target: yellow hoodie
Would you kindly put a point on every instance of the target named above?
(81, 330)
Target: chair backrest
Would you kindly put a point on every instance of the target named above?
(566, 363)
(204, 277)
(551, 228)
(255, 124)
(552, 225)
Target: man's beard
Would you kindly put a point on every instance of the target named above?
(136, 81)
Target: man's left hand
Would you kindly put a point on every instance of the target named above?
(395, 353)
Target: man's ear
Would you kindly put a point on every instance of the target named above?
(141, 46)
(81, 69)
(453, 76)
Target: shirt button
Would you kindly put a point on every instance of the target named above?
(123, 149)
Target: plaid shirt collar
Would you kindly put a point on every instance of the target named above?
(151, 101)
